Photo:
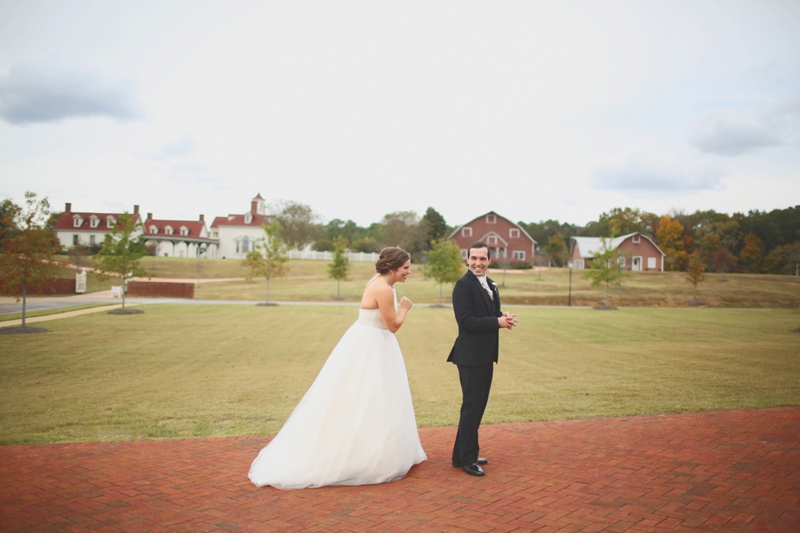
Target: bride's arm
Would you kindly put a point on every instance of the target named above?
(391, 317)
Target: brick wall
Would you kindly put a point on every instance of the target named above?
(55, 286)
(160, 289)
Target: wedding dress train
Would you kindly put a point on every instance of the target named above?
(355, 425)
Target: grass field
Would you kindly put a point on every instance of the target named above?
(308, 281)
(204, 370)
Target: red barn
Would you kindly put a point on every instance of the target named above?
(503, 237)
(639, 252)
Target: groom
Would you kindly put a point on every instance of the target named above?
(476, 304)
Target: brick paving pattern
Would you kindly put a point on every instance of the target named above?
(716, 471)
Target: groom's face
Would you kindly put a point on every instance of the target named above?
(478, 261)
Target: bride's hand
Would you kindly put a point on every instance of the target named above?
(405, 303)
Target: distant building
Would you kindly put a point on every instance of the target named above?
(639, 252)
(179, 238)
(88, 228)
(237, 234)
(504, 238)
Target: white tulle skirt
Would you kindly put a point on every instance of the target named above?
(355, 425)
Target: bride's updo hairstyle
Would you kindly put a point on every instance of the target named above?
(391, 259)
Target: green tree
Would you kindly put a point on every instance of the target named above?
(695, 272)
(557, 249)
(254, 262)
(28, 248)
(402, 229)
(122, 252)
(77, 253)
(444, 263)
(339, 268)
(273, 250)
(435, 225)
(605, 267)
(298, 223)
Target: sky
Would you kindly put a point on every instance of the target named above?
(534, 109)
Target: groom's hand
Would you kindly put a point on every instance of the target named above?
(511, 320)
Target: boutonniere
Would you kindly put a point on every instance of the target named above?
(494, 286)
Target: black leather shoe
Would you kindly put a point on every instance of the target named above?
(473, 470)
(481, 461)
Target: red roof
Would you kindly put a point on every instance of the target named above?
(238, 220)
(66, 221)
(195, 227)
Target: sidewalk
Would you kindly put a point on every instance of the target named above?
(717, 471)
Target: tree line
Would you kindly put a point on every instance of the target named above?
(756, 242)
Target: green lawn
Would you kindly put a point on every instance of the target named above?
(181, 371)
(308, 281)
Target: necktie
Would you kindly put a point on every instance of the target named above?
(486, 286)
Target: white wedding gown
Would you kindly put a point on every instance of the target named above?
(355, 425)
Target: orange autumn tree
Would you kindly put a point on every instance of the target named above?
(752, 253)
(669, 237)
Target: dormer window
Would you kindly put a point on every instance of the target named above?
(248, 218)
(110, 222)
(491, 219)
(637, 239)
(77, 221)
(184, 230)
(153, 230)
(168, 230)
(94, 221)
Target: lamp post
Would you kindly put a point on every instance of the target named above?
(569, 300)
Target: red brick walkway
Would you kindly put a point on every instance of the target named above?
(723, 471)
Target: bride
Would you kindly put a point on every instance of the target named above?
(356, 424)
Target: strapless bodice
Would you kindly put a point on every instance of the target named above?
(371, 317)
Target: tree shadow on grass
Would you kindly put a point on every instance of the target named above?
(11, 330)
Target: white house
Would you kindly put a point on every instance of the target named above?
(179, 238)
(237, 234)
(87, 228)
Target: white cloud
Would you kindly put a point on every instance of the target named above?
(645, 169)
(724, 132)
(50, 92)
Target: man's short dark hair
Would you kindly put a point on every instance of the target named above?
(480, 245)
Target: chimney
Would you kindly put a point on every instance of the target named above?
(254, 207)
(135, 209)
(68, 209)
(202, 218)
(149, 216)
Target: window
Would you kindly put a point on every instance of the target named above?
(110, 221)
(91, 239)
(463, 253)
(491, 219)
(651, 262)
(168, 230)
(491, 240)
(248, 218)
(519, 254)
(466, 232)
(637, 239)
(184, 230)
(74, 240)
(153, 230)
(94, 221)
(245, 244)
(77, 221)
(513, 233)
(621, 261)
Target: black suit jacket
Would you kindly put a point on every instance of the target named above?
(476, 313)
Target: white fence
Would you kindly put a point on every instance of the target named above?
(328, 256)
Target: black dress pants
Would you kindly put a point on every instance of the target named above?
(476, 381)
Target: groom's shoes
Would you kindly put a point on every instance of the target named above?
(481, 461)
(473, 470)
